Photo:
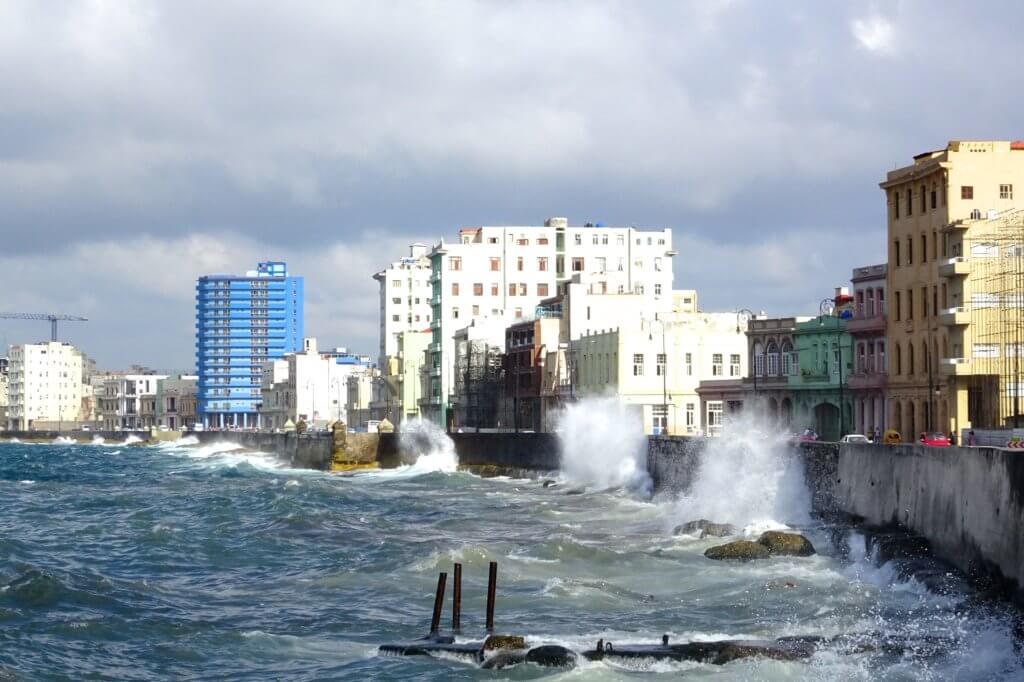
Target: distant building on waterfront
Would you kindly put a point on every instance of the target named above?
(503, 273)
(127, 402)
(309, 386)
(866, 327)
(175, 403)
(404, 300)
(45, 386)
(241, 323)
(4, 382)
(941, 208)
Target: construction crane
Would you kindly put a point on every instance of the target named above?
(50, 317)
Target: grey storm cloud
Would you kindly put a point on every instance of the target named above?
(144, 143)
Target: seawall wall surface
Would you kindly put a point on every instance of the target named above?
(968, 502)
(306, 451)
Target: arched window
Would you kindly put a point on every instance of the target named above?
(773, 359)
(835, 357)
(789, 359)
(758, 359)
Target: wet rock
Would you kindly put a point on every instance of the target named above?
(780, 584)
(548, 483)
(551, 656)
(786, 544)
(576, 491)
(739, 550)
(504, 642)
(503, 659)
(705, 528)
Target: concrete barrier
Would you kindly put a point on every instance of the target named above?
(306, 451)
(79, 436)
(502, 452)
(968, 502)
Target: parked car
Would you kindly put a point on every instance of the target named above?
(934, 439)
(809, 435)
(854, 438)
(892, 437)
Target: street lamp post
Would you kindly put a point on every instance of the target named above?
(827, 309)
(744, 315)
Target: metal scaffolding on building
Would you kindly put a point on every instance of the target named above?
(479, 385)
(992, 252)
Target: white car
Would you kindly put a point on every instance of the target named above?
(854, 438)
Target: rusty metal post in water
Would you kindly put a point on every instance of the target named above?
(457, 598)
(435, 620)
(492, 583)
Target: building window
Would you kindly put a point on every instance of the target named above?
(966, 192)
(604, 239)
(519, 263)
(522, 241)
(397, 300)
(620, 240)
(923, 199)
(638, 364)
(455, 263)
(716, 365)
(1005, 191)
(542, 264)
(396, 284)
(395, 318)
(522, 288)
(910, 304)
(899, 310)
(689, 416)
(895, 205)
(455, 288)
(773, 359)
(657, 264)
(657, 288)
(660, 367)
(455, 313)
(758, 360)
(734, 364)
(512, 289)
(577, 264)
(714, 414)
(495, 263)
(542, 241)
(896, 253)
(689, 364)
(924, 248)
(910, 251)
(934, 198)
(476, 310)
(577, 239)
(478, 288)
(910, 204)
(542, 289)
(494, 288)
(519, 313)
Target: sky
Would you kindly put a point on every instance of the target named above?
(145, 143)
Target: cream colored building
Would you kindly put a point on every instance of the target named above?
(404, 299)
(45, 385)
(656, 365)
(965, 181)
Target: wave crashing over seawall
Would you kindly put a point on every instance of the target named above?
(425, 447)
(603, 445)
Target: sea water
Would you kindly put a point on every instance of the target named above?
(211, 561)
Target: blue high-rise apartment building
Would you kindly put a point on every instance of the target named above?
(241, 322)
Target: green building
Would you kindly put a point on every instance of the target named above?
(821, 398)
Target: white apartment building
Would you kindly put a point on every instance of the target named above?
(656, 364)
(503, 273)
(310, 386)
(4, 381)
(45, 385)
(126, 401)
(404, 299)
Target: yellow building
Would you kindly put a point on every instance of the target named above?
(932, 205)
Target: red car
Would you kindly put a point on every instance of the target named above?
(936, 439)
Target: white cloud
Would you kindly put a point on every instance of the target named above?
(874, 33)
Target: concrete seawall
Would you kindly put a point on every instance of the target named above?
(500, 452)
(308, 451)
(968, 502)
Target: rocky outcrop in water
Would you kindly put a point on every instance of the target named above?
(738, 550)
(705, 528)
(786, 544)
